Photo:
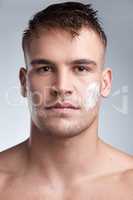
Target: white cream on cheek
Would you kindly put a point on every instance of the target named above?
(92, 94)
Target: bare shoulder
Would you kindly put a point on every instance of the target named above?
(118, 185)
(127, 178)
(11, 161)
(117, 159)
(13, 155)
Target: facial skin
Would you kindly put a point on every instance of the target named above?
(64, 166)
(74, 74)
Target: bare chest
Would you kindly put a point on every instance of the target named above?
(86, 192)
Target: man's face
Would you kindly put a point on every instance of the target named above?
(63, 81)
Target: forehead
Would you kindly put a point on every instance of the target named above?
(59, 46)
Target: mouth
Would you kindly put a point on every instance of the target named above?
(62, 111)
(62, 107)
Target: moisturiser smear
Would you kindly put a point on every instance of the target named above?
(91, 95)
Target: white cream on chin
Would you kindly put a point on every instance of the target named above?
(92, 94)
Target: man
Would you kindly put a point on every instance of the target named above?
(64, 81)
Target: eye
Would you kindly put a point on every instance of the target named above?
(81, 68)
(44, 69)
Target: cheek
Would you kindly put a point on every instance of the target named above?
(39, 94)
(91, 95)
(35, 92)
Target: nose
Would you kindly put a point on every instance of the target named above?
(62, 85)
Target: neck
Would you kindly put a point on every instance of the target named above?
(65, 159)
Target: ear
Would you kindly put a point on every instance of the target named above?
(22, 78)
(106, 82)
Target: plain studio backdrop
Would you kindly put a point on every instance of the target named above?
(116, 123)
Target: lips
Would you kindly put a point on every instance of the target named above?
(65, 105)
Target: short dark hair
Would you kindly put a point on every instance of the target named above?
(69, 16)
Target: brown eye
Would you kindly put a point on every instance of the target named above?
(81, 68)
(44, 69)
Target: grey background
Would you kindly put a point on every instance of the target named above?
(116, 113)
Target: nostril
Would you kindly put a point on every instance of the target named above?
(54, 92)
(60, 92)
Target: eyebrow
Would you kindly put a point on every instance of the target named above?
(83, 61)
(40, 61)
(78, 61)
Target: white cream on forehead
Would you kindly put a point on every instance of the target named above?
(91, 95)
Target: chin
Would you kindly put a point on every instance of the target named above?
(62, 135)
(62, 129)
